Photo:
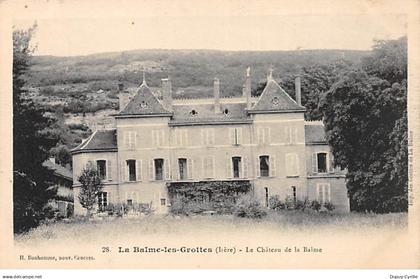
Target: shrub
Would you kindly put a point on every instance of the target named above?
(315, 205)
(329, 206)
(248, 207)
(275, 203)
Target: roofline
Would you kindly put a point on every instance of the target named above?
(216, 122)
(274, 111)
(94, 150)
(141, 115)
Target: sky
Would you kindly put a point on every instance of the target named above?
(82, 35)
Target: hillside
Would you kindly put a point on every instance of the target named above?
(80, 90)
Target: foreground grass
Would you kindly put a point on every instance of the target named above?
(164, 226)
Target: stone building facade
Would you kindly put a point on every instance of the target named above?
(158, 140)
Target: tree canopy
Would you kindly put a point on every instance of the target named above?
(31, 142)
(365, 115)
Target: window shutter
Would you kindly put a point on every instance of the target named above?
(257, 166)
(260, 136)
(185, 142)
(167, 169)
(239, 135)
(232, 135)
(122, 171)
(330, 162)
(190, 168)
(109, 169)
(203, 137)
(328, 194)
(151, 170)
(212, 137)
(244, 167)
(213, 169)
(138, 169)
(127, 196)
(125, 140)
(109, 198)
(272, 166)
(319, 192)
(229, 167)
(296, 161)
(286, 134)
(268, 136)
(288, 163)
(135, 140)
(295, 134)
(314, 163)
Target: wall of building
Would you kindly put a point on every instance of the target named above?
(281, 136)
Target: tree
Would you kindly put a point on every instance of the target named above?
(32, 186)
(365, 116)
(91, 185)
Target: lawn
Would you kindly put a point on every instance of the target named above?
(287, 222)
(369, 239)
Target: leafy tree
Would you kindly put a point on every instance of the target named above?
(91, 185)
(365, 117)
(32, 188)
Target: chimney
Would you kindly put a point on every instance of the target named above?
(247, 89)
(216, 93)
(123, 96)
(270, 74)
(167, 93)
(297, 90)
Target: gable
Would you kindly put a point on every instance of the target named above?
(275, 99)
(144, 103)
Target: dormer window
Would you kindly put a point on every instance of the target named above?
(275, 101)
(225, 111)
(193, 112)
(143, 105)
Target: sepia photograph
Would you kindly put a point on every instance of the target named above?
(211, 135)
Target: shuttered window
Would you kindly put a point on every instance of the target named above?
(235, 136)
(158, 138)
(264, 135)
(323, 191)
(207, 136)
(208, 167)
(292, 164)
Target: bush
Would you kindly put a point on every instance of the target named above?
(275, 203)
(248, 207)
(315, 205)
(329, 206)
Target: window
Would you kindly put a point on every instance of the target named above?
(162, 202)
(321, 162)
(181, 137)
(323, 191)
(207, 136)
(208, 167)
(294, 194)
(263, 135)
(130, 202)
(264, 166)
(158, 169)
(266, 196)
(235, 136)
(292, 164)
(102, 200)
(101, 167)
(157, 137)
(182, 165)
(236, 162)
(130, 139)
(291, 135)
(131, 166)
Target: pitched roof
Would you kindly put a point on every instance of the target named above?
(275, 99)
(315, 134)
(143, 103)
(101, 140)
(58, 170)
(205, 113)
